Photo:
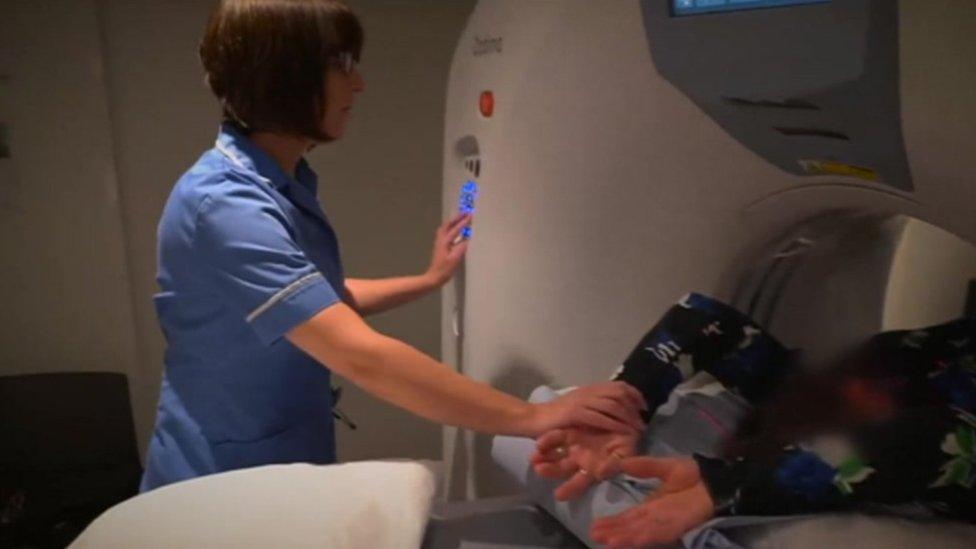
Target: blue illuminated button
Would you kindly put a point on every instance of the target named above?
(469, 193)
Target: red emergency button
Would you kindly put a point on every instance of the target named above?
(487, 103)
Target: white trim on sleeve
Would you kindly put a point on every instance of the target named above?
(283, 294)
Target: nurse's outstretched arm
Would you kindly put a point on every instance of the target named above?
(369, 296)
(406, 377)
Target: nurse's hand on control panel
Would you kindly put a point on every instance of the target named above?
(448, 250)
(373, 296)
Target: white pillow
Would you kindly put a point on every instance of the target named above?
(353, 505)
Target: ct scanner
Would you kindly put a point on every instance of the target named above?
(808, 161)
(785, 160)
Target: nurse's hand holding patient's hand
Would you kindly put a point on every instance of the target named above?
(611, 406)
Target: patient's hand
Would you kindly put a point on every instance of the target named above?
(582, 455)
(679, 505)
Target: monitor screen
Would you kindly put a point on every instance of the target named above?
(695, 7)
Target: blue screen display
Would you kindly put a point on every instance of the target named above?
(695, 7)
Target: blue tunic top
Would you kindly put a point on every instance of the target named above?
(245, 255)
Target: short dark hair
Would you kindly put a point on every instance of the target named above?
(266, 60)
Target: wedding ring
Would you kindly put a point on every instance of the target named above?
(561, 451)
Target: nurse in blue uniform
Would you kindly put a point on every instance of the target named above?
(254, 303)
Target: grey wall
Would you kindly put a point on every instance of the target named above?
(162, 119)
(106, 108)
(64, 284)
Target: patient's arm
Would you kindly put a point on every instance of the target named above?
(826, 474)
(924, 456)
(697, 334)
(907, 435)
(703, 334)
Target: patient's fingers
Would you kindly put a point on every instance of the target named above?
(647, 467)
(610, 466)
(634, 514)
(599, 535)
(617, 527)
(607, 523)
(550, 447)
(612, 537)
(633, 535)
(549, 470)
(576, 486)
(604, 529)
(551, 441)
(563, 468)
(645, 528)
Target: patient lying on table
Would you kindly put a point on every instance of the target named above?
(894, 423)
